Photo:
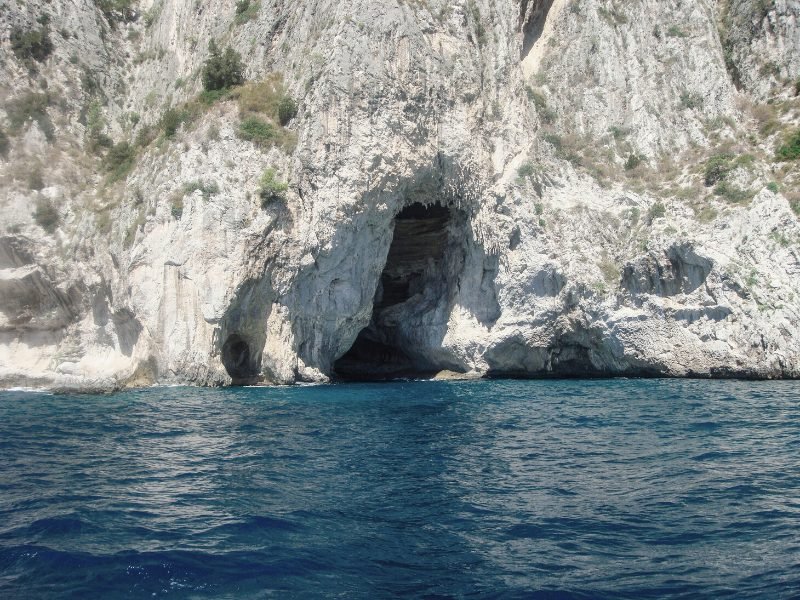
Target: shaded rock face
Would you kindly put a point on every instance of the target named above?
(238, 362)
(679, 270)
(30, 299)
(760, 43)
(532, 16)
(414, 297)
(437, 216)
(416, 256)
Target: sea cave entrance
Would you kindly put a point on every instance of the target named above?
(411, 302)
(238, 360)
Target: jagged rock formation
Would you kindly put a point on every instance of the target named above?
(506, 188)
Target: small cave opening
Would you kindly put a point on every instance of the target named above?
(414, 284)
(238, 360)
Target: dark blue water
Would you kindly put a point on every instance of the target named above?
(489, 489)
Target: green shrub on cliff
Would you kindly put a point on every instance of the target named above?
(717, 168)
(634, 160)
(119, 160)
(271, 190)
(525, 170)
(791, 149)
(222, 69)
(265, 108)
(31, 44)
(691, 100)
(46, 215)
(732, 193)
(116, 10)
(246, 11)
(656, 211)
(479, 30)
(287, 110)
(30, 106)
(257, 131)
(172, 119)
(206, 188)
(176, 206)
(546, 114)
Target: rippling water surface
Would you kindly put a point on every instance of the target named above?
(488, 489)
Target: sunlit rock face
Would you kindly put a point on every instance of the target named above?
(510, 188)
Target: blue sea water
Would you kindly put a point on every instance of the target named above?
(485, 489)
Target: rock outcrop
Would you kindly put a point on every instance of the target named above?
(512, 188)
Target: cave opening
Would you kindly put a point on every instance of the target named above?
(413, 288)
(238, 360)
(533, 15)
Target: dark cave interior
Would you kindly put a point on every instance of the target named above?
(414, 269)
(238, 360)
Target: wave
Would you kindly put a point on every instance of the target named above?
(42, 571)
(509, 489)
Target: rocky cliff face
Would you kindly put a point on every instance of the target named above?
(520, 187)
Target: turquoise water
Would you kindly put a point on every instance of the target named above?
(487, 489)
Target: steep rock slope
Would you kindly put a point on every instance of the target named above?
(516, 187)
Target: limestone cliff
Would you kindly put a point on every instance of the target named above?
(512, 187)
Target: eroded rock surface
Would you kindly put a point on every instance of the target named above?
(471, 191)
